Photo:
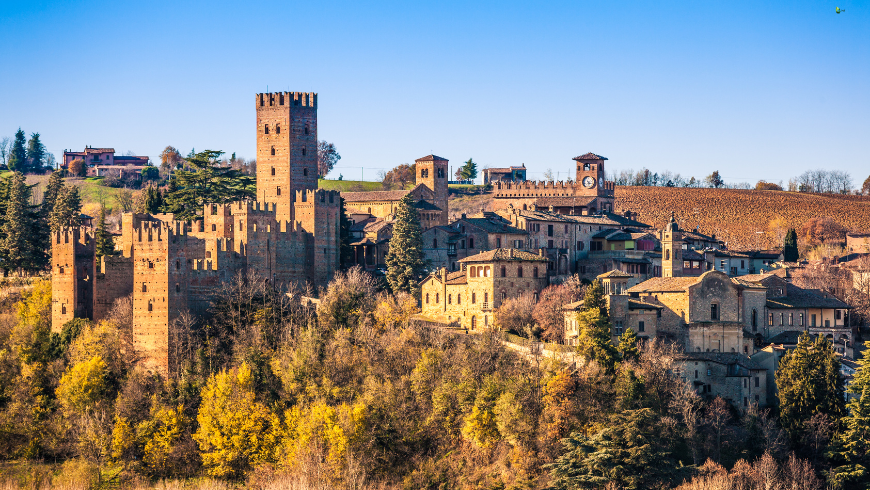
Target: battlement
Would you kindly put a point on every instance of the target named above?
(74, 236)
(252, 207)
(294, 99)
(319, 196)
(542, 188)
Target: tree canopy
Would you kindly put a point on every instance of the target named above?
(405, 256)
(205, 183)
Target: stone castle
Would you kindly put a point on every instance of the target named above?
(289, 234)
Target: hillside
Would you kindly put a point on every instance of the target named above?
(736, 215)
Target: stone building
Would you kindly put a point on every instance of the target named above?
(858, 242)
(102, 158)
(429, 195)
(444, 246)
(470, 295)
(506, 174)
(590, 193)
(370, 240)
(289, 234)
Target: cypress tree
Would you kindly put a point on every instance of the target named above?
(5, 186)
(153, 200)
(52, 190)
(18, 153)
(790, 247)
(809, 382)
(594, 321)
(105, 245)
(17, 251)
(405, 257)
(628, 346)
(35, 153)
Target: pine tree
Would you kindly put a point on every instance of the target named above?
(104, 243)
(153, 200)
(469, 170)
(405, 257)
(67, 208)
(628, 345)
(809, 382)
(18, 153)
(17, 251)
(594, 322)
(206, 183)
(851, 448)
(35, 153)
(5, 186)
(790, 247)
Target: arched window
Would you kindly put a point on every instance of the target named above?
(144, 288)
(277, 129)
(273, 150)
(267, 130)
(177, 287)
(213, 227)
(273, 172)
(150, 306)
(520, 271)
(503, 295)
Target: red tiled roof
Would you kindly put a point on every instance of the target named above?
(501, 254)
(374, 196)
(431, 158)
(590, 156)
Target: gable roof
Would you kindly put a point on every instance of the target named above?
(492, 226)
(797, 297)
(615, 273)
(634, 304)
(505, 254)
(431, 158)
(374, 196)
(664, 284)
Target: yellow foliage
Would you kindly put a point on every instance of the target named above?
(101, 339)
(394, 311)
(82, 386)
(480, 425)
(336, 429)
(123, 439)
(234, 429)
(160, 435)
(35, 305)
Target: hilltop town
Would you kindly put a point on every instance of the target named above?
(241, 322)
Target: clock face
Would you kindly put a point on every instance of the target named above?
(589, 182)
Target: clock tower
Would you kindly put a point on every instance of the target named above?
(591, 182)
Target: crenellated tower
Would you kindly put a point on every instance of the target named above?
(72, 271)
(286, 148)
(317, 215)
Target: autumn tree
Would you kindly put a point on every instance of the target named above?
(170, 159)
(405, 256)
(76, 168)
(349, 298)
(400, 176)
(714, 180)
(865, 188)
(822, 230)
(809, 382)
(548, 314)
(517, 315)
(327, 157)
(206, 183)
(767, 186)
(345, 250)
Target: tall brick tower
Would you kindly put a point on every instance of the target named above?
(72, 276)
(432, 172)
(592, 181)
(286, 148)
(672, 250)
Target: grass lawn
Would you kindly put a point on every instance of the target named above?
(349, 185)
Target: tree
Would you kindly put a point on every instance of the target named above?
(851, 448)
(865, 188)
(82, 386)
(18, 153)
(763, 185)
(170, 159)
(548, 313)
(150, 172)
(822, 229)
(405, 257)
(809, 382)
(548, 175)
(77, 168)
(52, 190)
(103, 241)
(18, 251)
(627, 347)
(327, 157)
(790, 251)
(153, 200)
(714, 180)
(232, 424)
(631, 451)
(35, 153)
(4, 149)
(67, 209)
(206, 183)
(400, 176)
(469, 170)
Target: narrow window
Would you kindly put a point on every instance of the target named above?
(473, 298)
(304, 170)
(434, 243)
(437, 298)
(535, 297)
(273, 169)
(150, 265)
(696, 374)
(520, 271)
(63, 309)
(144, 288)
(427, 298)
(150, 307)
(177, 287)
(471, 242)
(641, 326)
(213, 227)
(486, 297)
(303, 151)
(278, 191)
(306, 132)
(503, 271)
(449, 299)
(458, 299)
(267, 130)
(273, 150)
(754, 319)
(535, 272)
(277, 129)
(781, 319)
(714, 312)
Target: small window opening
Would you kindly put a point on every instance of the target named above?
(273, 170)
(267, 129)
(273, 152)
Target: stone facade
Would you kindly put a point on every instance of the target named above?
(858, 242)
(288, 235)
(469, 296)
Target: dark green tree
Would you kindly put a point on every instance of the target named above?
(594, 322)
(628, 346)
(18, 153)
(150, 172)
(67, 209)
(405, 257)
(35, 153)
(469, 170)
(52, 190)
(630, 451)
(809, 382)
(18, 252)
(850, 450)
(5, 189)
(206, 183)
(103, 240)
(345, 250)
(790, 246)
(153, 200)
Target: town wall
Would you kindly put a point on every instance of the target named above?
(111, 282)
(72, 276)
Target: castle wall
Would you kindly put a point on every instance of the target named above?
(113, 281)
(317, 214)
(72, 253)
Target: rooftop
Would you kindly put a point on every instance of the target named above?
(589, 156)
(615, 273)
(374, 196)
(493, 226)
(431, 158)
(505, 254)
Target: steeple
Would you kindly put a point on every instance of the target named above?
(672, 249)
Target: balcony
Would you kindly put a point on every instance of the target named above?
(486, 306)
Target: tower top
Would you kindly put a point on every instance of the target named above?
(589, 156)
(431, 158)
(289, 99)
(672, 224)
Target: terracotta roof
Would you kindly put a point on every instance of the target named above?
(589, 156)
(431, 158)
(692, 255)
(634, 304)
(361, 225)
(491, 226)
(376, 226)
(565, 201)
(573, 306)
(740, 281)
(721, 358)
(426, 206)
(457, 277)
(503, 254)
(374, 196)
(615, 273)
(662, 284)
(805, 298)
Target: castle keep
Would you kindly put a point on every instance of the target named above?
(289, 234)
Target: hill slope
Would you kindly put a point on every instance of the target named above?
(736, 215)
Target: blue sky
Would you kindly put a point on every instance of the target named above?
(757, 90)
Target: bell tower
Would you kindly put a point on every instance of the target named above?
(672, 249)
(432, 172)
(286, 148)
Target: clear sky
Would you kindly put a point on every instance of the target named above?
(757, 90)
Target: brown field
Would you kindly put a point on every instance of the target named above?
(736, 215)
(733, 215)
